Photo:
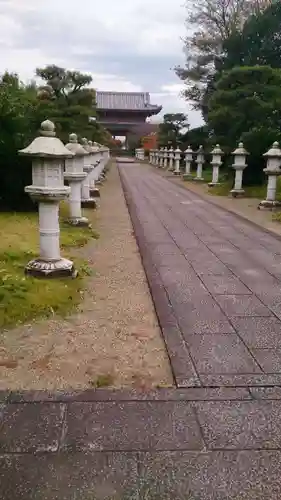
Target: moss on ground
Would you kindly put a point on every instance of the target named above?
(23, 298)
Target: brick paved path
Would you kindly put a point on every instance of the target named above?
(215, 283)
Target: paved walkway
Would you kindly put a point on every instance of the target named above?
(215, 280)
(217, 436)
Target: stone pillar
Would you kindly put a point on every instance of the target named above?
(156, 157)
(141, 154)
(95, 159)
(200, 161)
(216, 163)
(87, 201)
(239, 166)
(48, 154)
(188, 160)
(171, 158)
(177, 161)
(161, 157)
(165, 154)
(75, 174)
(272, 170)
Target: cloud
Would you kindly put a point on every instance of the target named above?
(131, 45)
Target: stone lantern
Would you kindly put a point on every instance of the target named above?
(171, 158)
(200, 161)
(48, 154)
(188, 160)
(161, 157)
(150, 160)
(74, 174)
(165, 154)
(95, 159)
(239, 166)
(157, 157)
(272, 170)
(87, 201)
(177, 161)
(216, 163)
(141, 154)
(152, 153)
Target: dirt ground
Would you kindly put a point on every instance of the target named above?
(114, 339)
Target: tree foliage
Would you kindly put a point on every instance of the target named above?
(65, 99)
(259, 43)
(246, 105)
(170, 130)
(210, 23)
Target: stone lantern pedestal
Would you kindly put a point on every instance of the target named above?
(157, 158)
(200, 161)
(165, 155)
(188, 160)
(87, 201)
(75, 174)
(48, 154)
(177, 161)
(95, 161)
(239, 166)
(171, 158)
(272, 170)
(161, 157)
(216, 163)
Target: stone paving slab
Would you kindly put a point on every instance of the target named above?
(244, 475)
(205, 443)
(31, 428)
(240, 425)
(221, 275)
(131, 426)
(216, 475)
(67, 476)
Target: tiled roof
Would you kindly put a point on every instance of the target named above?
(124, 100)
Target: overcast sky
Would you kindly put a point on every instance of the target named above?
(127, 45)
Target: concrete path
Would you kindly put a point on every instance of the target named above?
(217, 436)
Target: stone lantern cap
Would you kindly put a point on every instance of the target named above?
(75, 147)
(171, 149)
(47, 145)
(240, 151)
(274, 151)
(217, 150)
(85, 144)
(178, 150)
(95, 148)
(188, 150)
(273, 156)
(200, 150)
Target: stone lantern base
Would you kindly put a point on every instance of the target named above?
(94, 192)
(237, 193)
(198, 179)
(90, 203)
(78, 222)
(176, 172)
(269, 205)
(187, 177)
(214, 184)
(61, 268)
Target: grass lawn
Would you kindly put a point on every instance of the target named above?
(23, 298)
(258, 192)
